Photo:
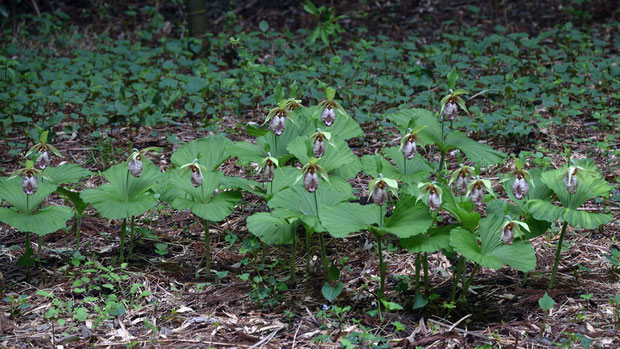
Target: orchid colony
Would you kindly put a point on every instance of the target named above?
(465, 180)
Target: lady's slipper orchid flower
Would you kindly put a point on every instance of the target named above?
(378, 189)
(433, 195)
(409, 140)
(43, 149)
(461, 178)
(134, 163)
(310, 174)
(318, 142)
(476, 190)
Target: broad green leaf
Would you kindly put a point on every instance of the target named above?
(336, 158)
(125, 195)
(245, 184)
(413, 166)
(461, 209)
(210, 151)
(11, 191)
(587, 220)
(247, 152)
(299, 203)
(215, 210)
(544, 210)
(211, 181)
(75, 199)
(44, 221)
(344, 127)
(369, 166)
(492, 252)
(432, 241)
(408, 219)
(67, 173)
(590, 185)
(271, 230)
(475, 151)
(343, 219)
(410, 118)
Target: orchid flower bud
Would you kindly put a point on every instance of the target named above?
(570, 182)
(318, 147)
(311, 180)
(379, 194)
(520, 187)
(508, 235)
(476, 196)
(328, 116)
(268, 171)
(434, 200)
(135, 166)
(450, 110)
(196, 177)
(409, 148)
(30, 185)
(43, 160)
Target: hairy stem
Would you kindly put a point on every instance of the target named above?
(308, 234)
(207, 249)
(425, 264)
(78, 227)
(457, 277)
(417, 273)
(122, 247)
(133, 237)
(382, 268)
(558, 252)
(468, 282)
(321, 241)
(293, 257)
(443, 141)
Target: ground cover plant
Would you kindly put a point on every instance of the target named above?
(331, 184)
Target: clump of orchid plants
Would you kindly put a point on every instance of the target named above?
(43, 149)
(433, 195)
(461, 178)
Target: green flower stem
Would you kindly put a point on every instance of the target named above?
(308, 234)
(443, 141)
(382, 268)
(404, 164)
(27, 203)
(425, 263)
(558, 252)
(293, 257)
(321, 241)
(468, 282)
(39, 244)
(457, 277)
(122, 247)
(28, 248)
(133, 237)
(417, 273)
(207, 249)
(78, 227)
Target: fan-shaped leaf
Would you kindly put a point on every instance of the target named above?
(44, 221)
(210, 151)
(11, 191)
(343, 219)
(271, 230)
(67, 173)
